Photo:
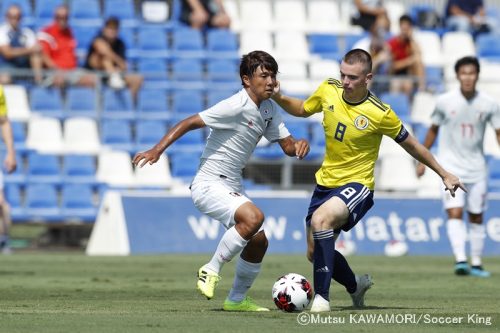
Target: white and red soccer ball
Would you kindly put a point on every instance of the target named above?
(292, 292)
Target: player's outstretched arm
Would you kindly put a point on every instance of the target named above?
(291, 147)
(430, 137)
(293, 106)
(153, 155)
(422, 154)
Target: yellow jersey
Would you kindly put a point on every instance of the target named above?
(3, 103)
(353, 133)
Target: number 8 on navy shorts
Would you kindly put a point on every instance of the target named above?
(357, 197)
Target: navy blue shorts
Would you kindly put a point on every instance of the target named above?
(357, 197)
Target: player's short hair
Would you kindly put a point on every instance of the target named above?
(360, 56)
(112, 22)
(468, 60)
(406, 18)
(252, 61)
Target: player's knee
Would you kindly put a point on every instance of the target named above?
(254, 220)
(320, 221)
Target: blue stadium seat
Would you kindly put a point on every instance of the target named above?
(271, 152)
(77, 203)
(152, 42)
(128, 36)
(494, 175)
(222, 44)
(155, 73)
(148, 133)
(188, 74)
(118, 104)
(41, 203)
(84, 34)
(192, 140)
(117, 134)
(153, 104)
(184, 165)
(19, 136)
(298, 129)
(26, 9)
(122, 9)
(350, 40)
(83, 12)
(434, 78)
(44, 168)
(13, 195)
(19, 175)
(47, 101)
(79, 169)
(81, 102)
(44, 9)
(223, 73)
(187, 102)
(325, 45)
(399, 102)
(488, 47)
(216, 95)
(188, 43)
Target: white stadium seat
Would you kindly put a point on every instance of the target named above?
(81, 136)
(397, 173)
(289, 15)
(18, 107)
(430, 46)
(115, 169)
(422, 107)
(256, 40)
(291, 45)
(156, 175)
(256, 15)
(45, 135)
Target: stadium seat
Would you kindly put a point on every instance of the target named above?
(321, 69)
(192, 140)
(233, 10)
(154, 176)
(18, 176)
(14, 197)
(187, 102)
(292, 69)
(77, 203)
(429, 185)
(153, 104)
(422, 107)
(44, 168)
(44, 9)
(84, 34)
(397, 174)
(158, 12)
(154, 71)
(42, 203)
(325, 45)
(389, 147)
(118, 104)
(256, 15)
(184, 165)
(81, 136)
(85, 12)
(323, 17)
(222, 44)
(256, 40)
(399, 102)
(152, 42)
(490, 146)
(299, 129)
(188, 43)
(79, 169)
(456, 45)
(395, 9)
(350, 39)
(488, 47)
(223, 73)
(188, 74)
(291, 45)
(216, 95)
(148, 133)
(122, 9)
(16, 98)
(19, 136)
(45, 135)
(117, 134)
(114, 168)
(47, 102)
(430, 46)
(290, 15)
(494, 175)
(81, 102)
(434, 78)
(26, 9)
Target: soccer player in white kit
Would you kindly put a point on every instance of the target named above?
(237, 124)
(461, 117)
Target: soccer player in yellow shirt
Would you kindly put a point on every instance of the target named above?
(9, 166)
(354, 121)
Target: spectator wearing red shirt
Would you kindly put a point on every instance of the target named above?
(58, 48)
(406, 59)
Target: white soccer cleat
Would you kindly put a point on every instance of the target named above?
(320, 304)
(358, 297)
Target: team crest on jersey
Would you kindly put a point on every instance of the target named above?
(361, 122)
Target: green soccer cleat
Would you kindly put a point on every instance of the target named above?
(207, 281)
(246, 305)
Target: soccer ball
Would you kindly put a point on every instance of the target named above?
(395, 248)
(292, 292)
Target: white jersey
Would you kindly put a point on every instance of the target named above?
(236, 126)
(462, 124)
(26, 39)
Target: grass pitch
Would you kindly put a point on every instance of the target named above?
(75, 293)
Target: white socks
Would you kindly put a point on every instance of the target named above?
(229, 246)
(477, 234)
(457, 234)
(246, 272)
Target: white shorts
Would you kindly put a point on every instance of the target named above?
(218, 199)
(475, 196)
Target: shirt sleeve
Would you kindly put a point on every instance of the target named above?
(392, 126)
(276, 130)
(314, 103)
(4, 39)
(222, 115)
(30, 38)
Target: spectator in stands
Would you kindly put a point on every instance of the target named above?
(9, 166)
(467, 15)
(107, 53)
(19, 48)
(369, 12)
(204, 13)
(58, 46)
(406, 59)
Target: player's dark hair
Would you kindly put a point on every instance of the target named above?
(252, 61)
(112, 22)
(406, 18)
(469, 60)
(356, 56)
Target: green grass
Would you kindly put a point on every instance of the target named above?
(75, 293)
